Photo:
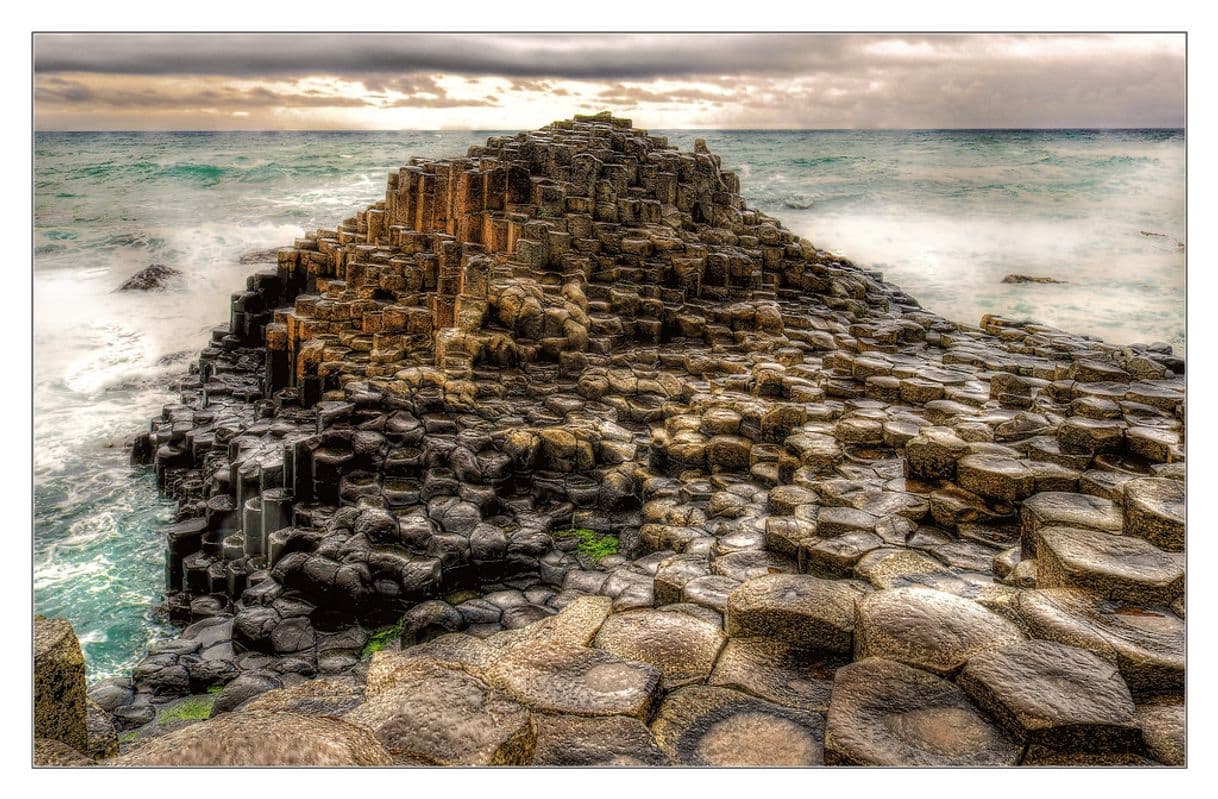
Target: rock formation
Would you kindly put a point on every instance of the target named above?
(156, 276)
(584, 329)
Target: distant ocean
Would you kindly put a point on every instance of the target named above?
(943, 214)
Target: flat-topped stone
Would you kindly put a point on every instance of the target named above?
(928, 629)
(1107, 565)
(1055, 695)
(1154, 510)
(1147, 643)
(682, 647)
(884, 713)
(445, 716)
(804, 611)
(707, 726)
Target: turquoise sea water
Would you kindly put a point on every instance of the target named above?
(944, 214)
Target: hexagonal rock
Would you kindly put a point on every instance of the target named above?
(1146, 643)
(445, 716)
(884, 713)
(262, 739)
(1162, 721)
(1078, 434)
(894, 568)
(454, 649)
(928, 629)
(583, 682)
(1066, 509)
(705, 726)
(1154, 510)
(611, 741)
(777, 672)
(682, 647)
(1055, 695)
(995, 477)
(802, 610)
(728, 453)
(1111, 566)
(933, 452)
(710, 591)
(672, 575)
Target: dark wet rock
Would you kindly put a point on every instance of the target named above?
(156, 276)
(1055, 695)
(427, 620)
(262, 739)
(884, 713)
(249, 685)
(708, 726)
(611, 741)
(1014, 278)
(928, 629)
(101, 736)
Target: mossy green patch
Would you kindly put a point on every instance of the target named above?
(381, 638)
(192, 708)
(215, 689)
(128, 737)
(592, 545)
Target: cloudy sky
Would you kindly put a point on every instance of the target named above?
(502, 81)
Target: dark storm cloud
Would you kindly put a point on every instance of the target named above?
(585, 56)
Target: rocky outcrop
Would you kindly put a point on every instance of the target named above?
(60, 711)
(565, 427)
(154, 277)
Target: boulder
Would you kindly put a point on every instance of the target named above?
(60, 712)
(1111, 566)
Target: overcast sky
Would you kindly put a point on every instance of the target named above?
(502, 81)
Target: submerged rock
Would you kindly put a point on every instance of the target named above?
(1030, 279)
(156, 276)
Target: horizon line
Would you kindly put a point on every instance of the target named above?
(506, 130)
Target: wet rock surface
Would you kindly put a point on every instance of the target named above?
(566, 424)
(151, 278)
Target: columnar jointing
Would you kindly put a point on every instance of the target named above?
(584, 327)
